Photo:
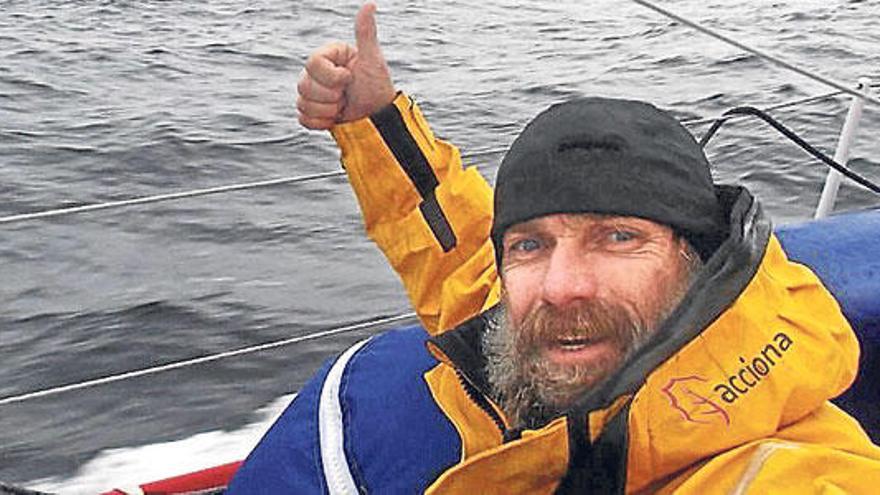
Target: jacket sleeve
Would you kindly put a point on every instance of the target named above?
(429, 216)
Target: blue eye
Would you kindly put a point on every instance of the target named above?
(525, 245)
(622, 236)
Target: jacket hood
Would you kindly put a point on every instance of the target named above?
(734, 363)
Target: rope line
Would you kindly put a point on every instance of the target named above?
(700, 120)
(45, 214)
(165, 197)
(778, 106)
(754, 112)
(202, 359)
(57, 212)
(766, 56)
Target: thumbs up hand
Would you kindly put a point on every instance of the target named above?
(341, 83)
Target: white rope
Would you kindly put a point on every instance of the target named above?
(165, 197)
(808, 99)
(203, 359)
(40, 215)
(764, 55)
(700, 121)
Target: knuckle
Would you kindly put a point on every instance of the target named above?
(336, 47)
(338, 79)
(302, 86)
(312, 64)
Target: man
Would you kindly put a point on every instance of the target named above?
(620, 324)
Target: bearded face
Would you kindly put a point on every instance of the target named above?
(534, 388)
(544, 356)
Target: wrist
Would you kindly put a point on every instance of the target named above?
(389, 101)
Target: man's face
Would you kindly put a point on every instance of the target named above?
(580, 293)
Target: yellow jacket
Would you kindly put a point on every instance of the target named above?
(731, 396)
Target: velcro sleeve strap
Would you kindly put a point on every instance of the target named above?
(429, 215)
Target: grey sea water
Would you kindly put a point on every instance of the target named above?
(106, 100)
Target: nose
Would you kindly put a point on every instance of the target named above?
(570, 276)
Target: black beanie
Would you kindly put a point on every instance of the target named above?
(608, 156)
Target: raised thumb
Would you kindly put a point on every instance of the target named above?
(365, 32)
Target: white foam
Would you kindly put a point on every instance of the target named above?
(133, 466)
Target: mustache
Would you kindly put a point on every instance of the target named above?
(592, 320)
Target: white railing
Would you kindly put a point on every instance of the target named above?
(841, 154)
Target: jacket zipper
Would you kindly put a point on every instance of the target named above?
(482, 402)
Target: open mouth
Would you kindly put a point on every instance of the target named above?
(575, 343)
(567, 350)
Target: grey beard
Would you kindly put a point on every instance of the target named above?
(531, 391)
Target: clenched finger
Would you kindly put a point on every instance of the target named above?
(312, 90)
(327, 65)
(318, 110)
(316, 123)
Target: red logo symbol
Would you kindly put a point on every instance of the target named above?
(693, 406)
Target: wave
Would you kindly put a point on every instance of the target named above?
(131, 466)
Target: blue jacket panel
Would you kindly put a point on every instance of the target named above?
(288, 458)
(396, 439)
(843, 251)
